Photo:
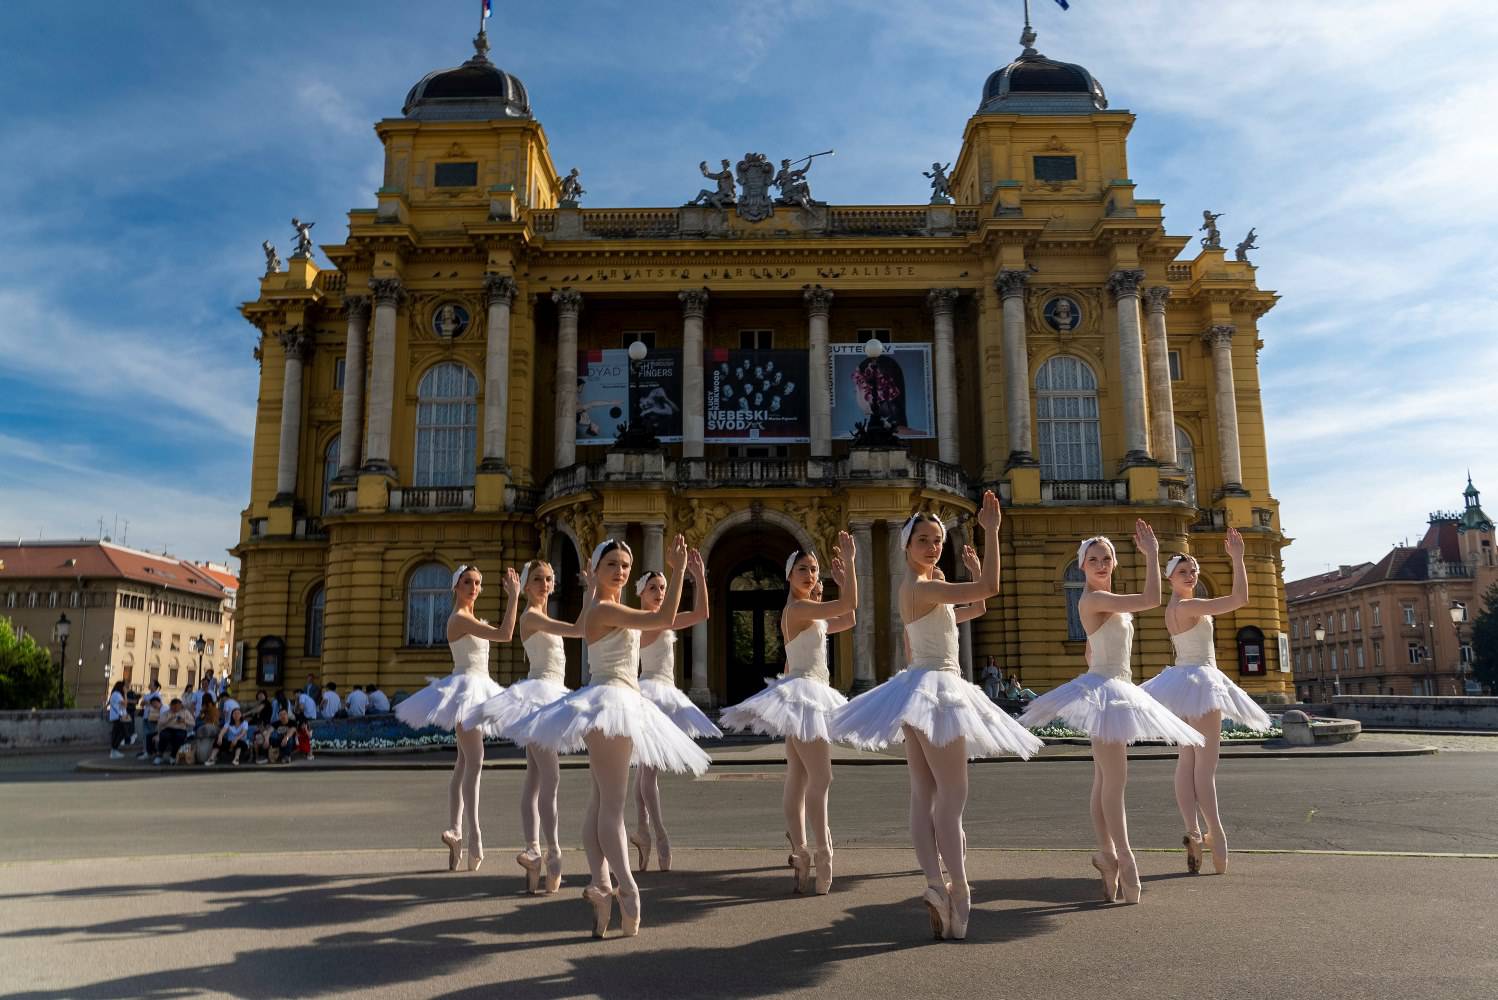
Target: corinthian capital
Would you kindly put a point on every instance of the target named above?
(499, 288)
(942, 300)
(357, 308)
(1220, 334)
(1010, 282)
(1125, 282)
(1154, 298)
(386, 291)
(818, 300)
(693, 302)
(296, 342)
(569, 301)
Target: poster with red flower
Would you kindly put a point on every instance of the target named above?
(897, 384)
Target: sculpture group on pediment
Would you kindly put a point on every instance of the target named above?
(1240, 252)
(941, 191)
(1213, 239)
(571, 189)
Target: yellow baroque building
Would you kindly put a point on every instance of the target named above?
(461, 388)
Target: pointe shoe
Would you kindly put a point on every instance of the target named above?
(475, 856)
(939, 909)
(1129, 886)
(641, 840)
(1219, 848)
(823, 859)
(799, 861)
(531, 862)
(1193, 853)
(1107, 869)
(454, 849)
(601, 903)
(629, 922)
(961, 906)
(553, 871)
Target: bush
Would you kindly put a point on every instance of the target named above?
(27, 677)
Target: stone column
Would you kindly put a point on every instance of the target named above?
(654, 556)
(1162, 403)
(693, 422)
(1124, 284)
(863, 624)
(499, 291)
(569, 303)
(1220, 339)
(387, 294)
(297, 344)
(942, 301)
(818, 304)
(896, 574)
(1011, 287)
(699, 692)
(351, 430)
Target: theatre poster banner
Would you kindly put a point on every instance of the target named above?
(898, 382)
(756, 396)
(611, 389)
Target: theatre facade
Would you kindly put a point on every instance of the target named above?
(492, 371)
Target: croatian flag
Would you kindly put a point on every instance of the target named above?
(489, 10)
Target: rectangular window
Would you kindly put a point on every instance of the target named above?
(881, 333)
(1466, 652)
(31, 599)
(1362, 665)
(172, 675)
(1055, 168)
(1377, 618)
(339, 367)
(1413, 651)
(1357, 619)
(1344, 619)
(177, 641)
(155, 640)
(73, 599)
(646, 337)
(10, 599)
(52, 599)
(1334, 660)
(756, 340)
(456, 175)
(1295, 630)
(1378, 653)
(130, 636)
(1175, 366)
(1409, 612)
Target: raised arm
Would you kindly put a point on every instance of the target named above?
(1104, 602)
(698, 572)
(536, 620)
(932, 592)
(968, 612)
(1195, 607)
(844, 569)
(611, 615)
(512, 605)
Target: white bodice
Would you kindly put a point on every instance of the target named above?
(806, 655)
(615, 659)
(658, 660)
(470, 655)
(933, 640)
(547, 657)
(1195, 646)
(1110, 647)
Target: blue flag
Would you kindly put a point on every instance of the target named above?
(1063, 4)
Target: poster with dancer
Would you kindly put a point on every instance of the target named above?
(756, 396)
(611, 390)
(898, 382)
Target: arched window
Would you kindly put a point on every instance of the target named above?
(316, 605)
(1066, 405)
(329, 472)
(446, 426)
(1073, 582)
(1186, 459)
(429, 602)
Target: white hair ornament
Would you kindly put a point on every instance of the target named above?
(912, 520)
(458, 575)
(604, 547)
(1087, 543)
(644, 581)
(790, 560)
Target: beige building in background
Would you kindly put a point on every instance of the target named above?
(133, 616)
(1387, 627)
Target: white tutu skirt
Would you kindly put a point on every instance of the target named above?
(448, 701)
(940, 704)
(515, 702)
(614, 710)
(679, 709)
(1193, 691)
(788, 706)
(1109, 710)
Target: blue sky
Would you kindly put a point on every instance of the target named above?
(150, 147)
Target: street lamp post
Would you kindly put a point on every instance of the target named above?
(1321, 657)
(60, 632)
(875, 431)
(636, 435)
(198, 645)
(1458, 612)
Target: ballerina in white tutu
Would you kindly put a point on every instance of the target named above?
(1106, 704)
(943, 719)
(453, 703)
(541, 636)
(798, 705)
(658, 683)
(616, 723)
(1203, 695)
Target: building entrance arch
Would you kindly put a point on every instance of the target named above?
(747, 583)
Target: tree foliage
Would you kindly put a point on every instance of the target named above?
(27, 677)
(1485, 640)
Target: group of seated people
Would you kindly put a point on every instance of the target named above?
(1001, 688)
(210, 726)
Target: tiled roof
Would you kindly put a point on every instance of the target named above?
(104, 561)
(1323, 584)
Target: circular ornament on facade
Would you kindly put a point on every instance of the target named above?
(1063, 314)
(449, 320)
